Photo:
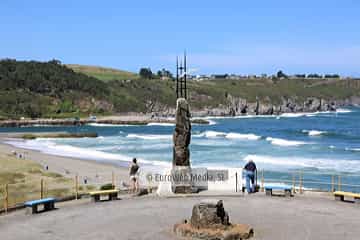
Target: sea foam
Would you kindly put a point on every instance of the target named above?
(231, 135)
(149, 136)
(284, 142)
(296, 162)
(49, 147)
(314, 132)
(161, 124)
(110, 125)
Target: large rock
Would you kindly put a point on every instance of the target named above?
(210, 221)
(209, 214)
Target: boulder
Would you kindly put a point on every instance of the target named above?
(209, 214)
(210, 221)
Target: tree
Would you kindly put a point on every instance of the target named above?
(280, 74)
(300, 75)
(146, 73)
(314, 75)
(332, 76)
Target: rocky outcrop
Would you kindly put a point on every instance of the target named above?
(238, 106)
(210, 221)
(209, 214)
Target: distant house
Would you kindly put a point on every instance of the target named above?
(201, 77)
(218, 76)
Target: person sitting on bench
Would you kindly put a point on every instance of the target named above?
(250, 169)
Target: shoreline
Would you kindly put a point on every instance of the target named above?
(109, 120)
(95, 172)
(141, 120)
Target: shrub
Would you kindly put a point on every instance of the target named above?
(107, 186)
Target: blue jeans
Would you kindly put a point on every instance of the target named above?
(250, 177)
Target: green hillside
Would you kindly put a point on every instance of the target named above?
(51, 89)
(102, 73)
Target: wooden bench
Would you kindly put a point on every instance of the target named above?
(340, 196)
(112, 194)
(269, 189)
(48, 203)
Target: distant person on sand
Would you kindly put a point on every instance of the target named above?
(134, 168)
(250, 169)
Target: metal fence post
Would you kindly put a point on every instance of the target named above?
(236, 182)
(262, 181)
(113, 179)
(293, 182)
(76, 186)
(300, 182)
(6, 200)
(332, 183)
(41, 188)
(339, 183)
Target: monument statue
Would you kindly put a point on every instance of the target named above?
(181, 171)
(182, 134)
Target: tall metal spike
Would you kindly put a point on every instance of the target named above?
(181, 78)
(177, 77)
(185, 72)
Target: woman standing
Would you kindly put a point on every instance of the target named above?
(134, 168)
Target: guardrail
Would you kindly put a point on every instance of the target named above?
(13, 195)
(311, 181)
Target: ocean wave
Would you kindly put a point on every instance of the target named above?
(343, 110)
(212, 122)
(149, 136)
(161, 124)
(295, 162)
(249, 136)
(352, 149)
(231, 135)
(291, 115)
(314, 132)
(110, 125)
(49, 147)
(284, 142)
(211, 134)
(134, 147)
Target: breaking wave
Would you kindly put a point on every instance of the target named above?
(314, 132)
(296, 162)
(215, 134)
(284, 142)
(149, 136)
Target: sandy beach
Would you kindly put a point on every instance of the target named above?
(95, 172)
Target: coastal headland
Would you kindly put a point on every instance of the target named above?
(52, 90)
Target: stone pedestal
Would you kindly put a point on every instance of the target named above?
(210, 221)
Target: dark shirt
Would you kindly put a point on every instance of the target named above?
(133, 169)
(250, 166)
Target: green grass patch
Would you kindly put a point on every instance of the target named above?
(103, 73)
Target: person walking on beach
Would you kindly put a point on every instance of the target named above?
(134, 181)
(250, 169)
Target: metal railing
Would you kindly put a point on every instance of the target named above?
(311, 181)
(14, 195)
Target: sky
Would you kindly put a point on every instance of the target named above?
(241, 37)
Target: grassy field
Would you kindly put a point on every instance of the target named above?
(102, 73)
(24, 181)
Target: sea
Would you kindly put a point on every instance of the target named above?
(320, 148)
